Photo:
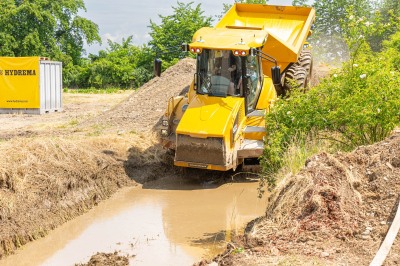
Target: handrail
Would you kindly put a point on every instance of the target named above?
(388, 242)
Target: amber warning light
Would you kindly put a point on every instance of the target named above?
(240, 52)
(196, 50)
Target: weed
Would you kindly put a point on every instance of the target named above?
(73, 122)
(238, 250)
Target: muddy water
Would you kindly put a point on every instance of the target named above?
(162, 223)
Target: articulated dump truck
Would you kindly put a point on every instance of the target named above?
(253, 54)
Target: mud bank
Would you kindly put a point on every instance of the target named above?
(337, 210)
(45, 182)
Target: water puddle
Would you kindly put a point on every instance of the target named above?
(173, 224)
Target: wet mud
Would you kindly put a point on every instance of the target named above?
(170, 220)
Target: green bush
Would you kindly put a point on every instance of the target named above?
(357, 105)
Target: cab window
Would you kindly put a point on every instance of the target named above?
(253, 81)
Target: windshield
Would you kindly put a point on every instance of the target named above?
(220, 73)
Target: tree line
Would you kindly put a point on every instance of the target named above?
(54, 29)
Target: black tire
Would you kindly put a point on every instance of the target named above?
(298, 74)
(295, 77)
(306, 61)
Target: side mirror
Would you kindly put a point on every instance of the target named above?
(276, 75)
(157, 67)
(253, 51)
(185, 47)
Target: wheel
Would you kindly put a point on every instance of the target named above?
(306, 61)
(295, 77)
(298, 74)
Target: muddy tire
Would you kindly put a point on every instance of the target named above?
(306, 62)
(295, 77)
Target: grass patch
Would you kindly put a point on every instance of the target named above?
(299, 150)
(295, 157)
(95, 91)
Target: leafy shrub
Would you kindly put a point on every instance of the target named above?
(357, 105)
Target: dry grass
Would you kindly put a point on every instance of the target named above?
(298, 152)
(319, 190)
(46, 181)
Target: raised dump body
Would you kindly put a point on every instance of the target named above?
(285, 29)
(220, 123)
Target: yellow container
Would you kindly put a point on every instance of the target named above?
(30, 85)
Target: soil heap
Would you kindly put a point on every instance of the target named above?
(143, 109)
(107, 259)
(337, 210)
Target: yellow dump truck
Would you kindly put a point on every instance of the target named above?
(254, 53)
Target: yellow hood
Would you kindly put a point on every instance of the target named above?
(209, 116)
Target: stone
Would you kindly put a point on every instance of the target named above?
(396, 162)
(389, 165)
(371, 175)
(324, 254)
(366, 233)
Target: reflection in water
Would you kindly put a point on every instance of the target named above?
(153, 226)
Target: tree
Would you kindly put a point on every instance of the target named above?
(45, 28)
(300, 3)
(331, 20)
(176, 29)
(388, 16)
(121, 65)
(390, 8)
(336, 19)
(7, 41)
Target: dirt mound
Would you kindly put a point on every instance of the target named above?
(336, 210)
(144, 108)
(107, 259)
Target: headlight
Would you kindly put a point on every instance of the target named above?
(165, 123)
(164, 132)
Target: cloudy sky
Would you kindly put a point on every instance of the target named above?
(119, 19)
